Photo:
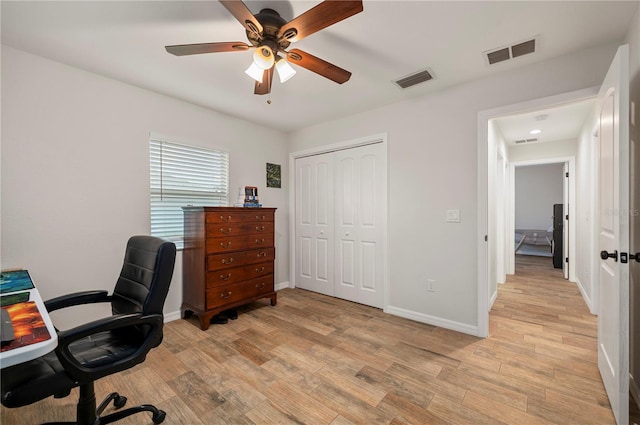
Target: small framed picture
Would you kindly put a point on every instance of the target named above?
(274, 178)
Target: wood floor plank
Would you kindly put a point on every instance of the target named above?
(302, 406)
(500, 411)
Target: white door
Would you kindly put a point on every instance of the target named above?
(565, 220)
(360, 208)
(613, 234)
(314, 224)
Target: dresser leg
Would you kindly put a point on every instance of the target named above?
(204, 321)
(274, 299)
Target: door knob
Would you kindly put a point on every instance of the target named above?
(635, 256)
(605, 255)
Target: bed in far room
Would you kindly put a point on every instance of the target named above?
(534, 242)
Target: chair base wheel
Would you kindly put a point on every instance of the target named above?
(159, 417)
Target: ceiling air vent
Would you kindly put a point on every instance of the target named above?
(502, 54)
(498, 56)
(525, 141)
(415, 78)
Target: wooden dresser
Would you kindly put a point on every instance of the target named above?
(228, 259)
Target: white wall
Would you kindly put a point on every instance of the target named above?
(538, 187)
(498, 213)
(433, 150)
(586, 244)
(75, 171)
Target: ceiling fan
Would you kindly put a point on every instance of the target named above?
(271, 35)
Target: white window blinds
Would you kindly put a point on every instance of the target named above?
(180, 176)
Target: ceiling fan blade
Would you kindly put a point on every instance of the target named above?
(319, 66)
(196, 49)
(242, 13)
(319, 17)
(265, 86)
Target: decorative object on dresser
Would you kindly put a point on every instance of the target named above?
(228, 259)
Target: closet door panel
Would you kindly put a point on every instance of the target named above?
(346, 169)
(314, 224)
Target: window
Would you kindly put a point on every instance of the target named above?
(180, 176)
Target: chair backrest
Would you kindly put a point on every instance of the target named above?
(145, 277)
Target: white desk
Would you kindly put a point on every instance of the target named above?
(12, 354)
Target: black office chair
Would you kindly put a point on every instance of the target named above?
(105, 346)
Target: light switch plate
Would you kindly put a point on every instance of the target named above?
(453, 216)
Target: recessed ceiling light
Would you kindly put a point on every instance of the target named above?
(536, 131)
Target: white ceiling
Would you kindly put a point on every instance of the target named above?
(561, 122)
(125, 40)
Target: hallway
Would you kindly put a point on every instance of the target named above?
(546, 336)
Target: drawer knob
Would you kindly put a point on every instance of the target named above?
(225, 231)
(260, 218)
(225, 245)
(223, 218)
(227, 277)
(227, 261)
(260, 241)
(259, 269)
(225, 296)
(261, 254)
(260, 286)
(260, 228)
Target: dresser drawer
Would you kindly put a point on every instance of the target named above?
(237, 274)
(217, 230)
(235, 259)
(234, 243)
(240, 216)
(235, 292)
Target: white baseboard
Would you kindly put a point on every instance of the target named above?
(493, 299)
(282, 285)
(170, 317)
(586, 298)
(432, 320)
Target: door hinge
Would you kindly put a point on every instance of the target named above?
(566, 260)
(566, 217)
(566, 174)
(486, 238)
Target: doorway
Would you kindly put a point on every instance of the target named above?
(543, 194)
(492, 141)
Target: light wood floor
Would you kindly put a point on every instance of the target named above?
(317, 360)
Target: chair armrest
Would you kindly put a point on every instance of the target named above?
(85, 373)
(77, 298)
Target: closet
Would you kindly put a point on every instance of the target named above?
(340, 222)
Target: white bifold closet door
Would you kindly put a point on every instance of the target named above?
(340, 222)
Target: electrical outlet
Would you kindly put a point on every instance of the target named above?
(431, 285)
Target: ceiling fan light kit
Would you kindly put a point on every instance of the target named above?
(255, 72)
(270, 34)
(263, 57)
(285, 71)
